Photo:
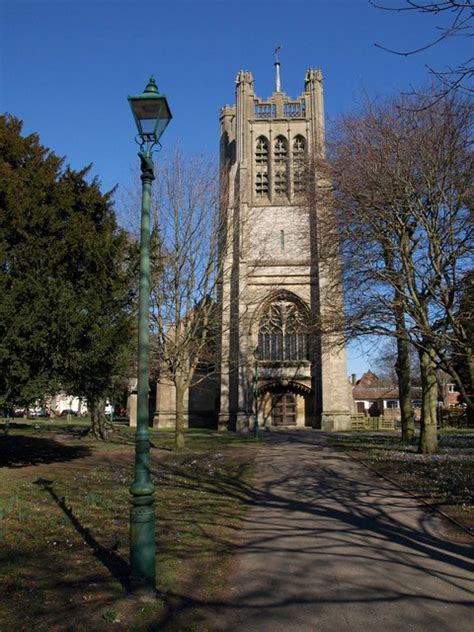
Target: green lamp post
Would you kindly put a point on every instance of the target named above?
(256, 429)
(152, 114)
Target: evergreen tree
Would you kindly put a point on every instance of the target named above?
(65, 290)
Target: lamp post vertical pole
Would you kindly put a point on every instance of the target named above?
(142, 515)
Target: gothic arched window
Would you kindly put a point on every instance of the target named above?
(299, 147)
(299, 159)
(282, 332)
(261, 164)
(281, 165)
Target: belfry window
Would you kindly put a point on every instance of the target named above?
(281, 166)
(282, 332)
(299, 160)
(299, 148)
(261, 151)
(261, 167)
(261, 183)
(281, 150)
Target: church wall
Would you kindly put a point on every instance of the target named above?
(276, 233)
(200, 402)
(165, 416)
(203, 401)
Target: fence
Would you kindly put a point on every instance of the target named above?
(455, 417)
(361, 422)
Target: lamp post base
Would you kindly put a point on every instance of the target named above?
(142, 545)
(142, 591)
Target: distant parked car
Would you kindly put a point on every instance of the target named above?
(38, 412)
(69, 411)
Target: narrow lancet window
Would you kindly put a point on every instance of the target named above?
(299, 164)
(261, 151)
(261, 167)
(281, 165)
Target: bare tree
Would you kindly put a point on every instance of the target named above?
(333, 241)
(185, 318)
(384, 362)
(461, 13)
(402, 187)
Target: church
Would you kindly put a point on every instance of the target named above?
(272, 368)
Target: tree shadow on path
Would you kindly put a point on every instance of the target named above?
(324, 535)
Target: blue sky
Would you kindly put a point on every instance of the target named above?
(67, 66)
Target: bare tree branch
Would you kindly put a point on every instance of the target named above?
(402, 199)
(453, 78)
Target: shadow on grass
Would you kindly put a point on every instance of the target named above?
(112, 561)
(22, 451)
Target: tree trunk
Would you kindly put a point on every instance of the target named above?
(428, 443)
(99, 424)
(469, 401)
(180, 440)
(462, 374)
(403, 369)
(403, 366)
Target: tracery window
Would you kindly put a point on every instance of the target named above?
(299, 160)
(281, 166)
(261, 163)
(282, 332)
(299, 147)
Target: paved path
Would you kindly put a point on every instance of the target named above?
(329, 546)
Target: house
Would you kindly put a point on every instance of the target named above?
(373, 399)
(62, 402)
(451, 396)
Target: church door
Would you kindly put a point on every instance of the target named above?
(284, 410)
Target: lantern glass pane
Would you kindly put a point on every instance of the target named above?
(147, 125)
(152, 115)
(147, 109)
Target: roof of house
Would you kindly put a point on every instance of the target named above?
(368, 379)
(367, 388)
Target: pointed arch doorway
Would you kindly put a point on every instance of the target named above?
(285, 404)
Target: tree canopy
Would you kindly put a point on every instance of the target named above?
(401, 188)
(65, 288)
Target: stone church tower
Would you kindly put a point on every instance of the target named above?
(271, 288)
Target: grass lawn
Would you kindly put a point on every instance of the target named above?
(64, 515)
(445, 480)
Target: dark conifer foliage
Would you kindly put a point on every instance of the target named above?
(65, 290)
